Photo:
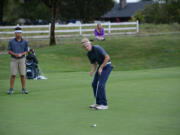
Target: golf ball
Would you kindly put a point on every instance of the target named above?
(94, 125)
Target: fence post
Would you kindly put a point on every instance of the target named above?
(49, 29)
(80, 29)
(137, 26)
(109, 27)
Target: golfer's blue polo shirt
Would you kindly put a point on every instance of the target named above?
(97, 54)
(18, 47)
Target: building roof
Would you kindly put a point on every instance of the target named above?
(128, 11)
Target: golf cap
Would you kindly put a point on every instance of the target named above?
(18, 30)
(85, 41)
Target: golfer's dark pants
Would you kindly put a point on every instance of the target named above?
(99, 88)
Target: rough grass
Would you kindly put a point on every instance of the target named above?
(127, 53)
(159, 28)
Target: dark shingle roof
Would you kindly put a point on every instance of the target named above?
(128, 11)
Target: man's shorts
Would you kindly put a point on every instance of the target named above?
(18, 65)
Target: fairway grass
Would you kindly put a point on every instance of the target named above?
(141, 102)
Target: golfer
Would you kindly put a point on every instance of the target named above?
(17, 48)
(98, 56)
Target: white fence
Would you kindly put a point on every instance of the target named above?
(70, 30)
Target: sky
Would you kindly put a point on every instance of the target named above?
(129, 1)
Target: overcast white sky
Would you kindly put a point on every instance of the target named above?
(128, 1)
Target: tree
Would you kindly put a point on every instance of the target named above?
(30, 10)
(168, 12)
(11, 11)
(85, 10)
(34, 10)
(52, 4)
(1, 10)
(6, 7)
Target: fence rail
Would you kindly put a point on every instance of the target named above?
(6, 32)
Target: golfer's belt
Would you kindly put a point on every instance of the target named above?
(108, 63)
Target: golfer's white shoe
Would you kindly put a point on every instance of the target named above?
(93, 106)
(102, 107)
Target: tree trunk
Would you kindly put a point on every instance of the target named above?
(1, 10)
(53, 19)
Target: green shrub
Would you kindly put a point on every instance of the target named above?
(160, 13)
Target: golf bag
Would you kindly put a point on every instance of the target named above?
(32, 70)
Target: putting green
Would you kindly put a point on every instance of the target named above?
(142, 102)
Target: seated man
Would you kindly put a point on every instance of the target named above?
(99, 32)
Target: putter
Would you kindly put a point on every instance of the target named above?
(95, 96)
(97, 88)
